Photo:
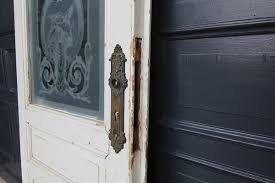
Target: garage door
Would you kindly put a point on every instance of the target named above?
(212, 91)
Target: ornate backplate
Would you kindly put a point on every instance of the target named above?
(118, 83)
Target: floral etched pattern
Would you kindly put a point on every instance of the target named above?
(62, 69)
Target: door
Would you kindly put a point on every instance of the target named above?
(9, 126)
(214, 119)
(74, 68)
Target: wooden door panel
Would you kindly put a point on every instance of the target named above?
(50, 152)
(63, 71)
(83, 134)
(39, 174)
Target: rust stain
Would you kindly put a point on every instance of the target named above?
(131, 106)
(134, 129)
(100, 124)
(136, 145)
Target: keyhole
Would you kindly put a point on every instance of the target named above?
(116, 116)
(115, 83)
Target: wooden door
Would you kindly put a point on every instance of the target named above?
(213, 91)
(64, 54)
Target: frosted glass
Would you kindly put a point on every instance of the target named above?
(66, 52)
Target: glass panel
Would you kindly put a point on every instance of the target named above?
(66, 49)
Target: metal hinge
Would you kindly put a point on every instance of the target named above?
(137, 54)
(137, 49)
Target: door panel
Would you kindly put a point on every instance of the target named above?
(213, 120)
(43, 175)
(64, 93)
(5, 128)
(50, 152)
(191, 170)
(226, 82)
(9, 140)
(81, 134)
(197, 14)
(6, 14)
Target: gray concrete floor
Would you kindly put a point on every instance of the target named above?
(10, 171)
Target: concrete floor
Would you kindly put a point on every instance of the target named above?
(10, 171)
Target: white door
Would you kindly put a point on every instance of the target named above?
(68, 112)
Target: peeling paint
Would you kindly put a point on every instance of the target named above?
(143, 29)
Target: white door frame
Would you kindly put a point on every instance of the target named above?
(139, 26)
(143, 16)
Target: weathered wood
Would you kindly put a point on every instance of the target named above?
(61, 146)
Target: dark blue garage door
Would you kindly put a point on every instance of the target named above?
(212, 91)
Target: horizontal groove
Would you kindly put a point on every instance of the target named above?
(9, 33)
(191, 178)
(220, 25)
(208, 109)
(220, 133)
(219, 32)
(221, 167)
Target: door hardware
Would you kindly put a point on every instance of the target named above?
(118, 83)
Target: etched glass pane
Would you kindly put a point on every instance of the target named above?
(66, 49)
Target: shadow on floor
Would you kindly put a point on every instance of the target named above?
(10, 171)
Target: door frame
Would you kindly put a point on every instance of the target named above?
(142, 29)
(143, 18)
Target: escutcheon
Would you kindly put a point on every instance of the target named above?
(118, 83)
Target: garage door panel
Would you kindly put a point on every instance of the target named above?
(237, 44)
(222, 86)
(179, 169)
(188, 15)
(213, 91)
(245, 82)
(221, 151)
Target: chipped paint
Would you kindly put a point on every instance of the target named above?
(138, 53)
(131, 106)
(143, 30)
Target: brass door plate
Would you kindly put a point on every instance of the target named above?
(118, 83)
